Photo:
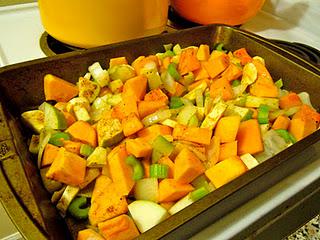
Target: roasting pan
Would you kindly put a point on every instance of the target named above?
(21, 88)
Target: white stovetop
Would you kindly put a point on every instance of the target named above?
(291, 20)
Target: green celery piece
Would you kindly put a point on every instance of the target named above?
(156, 155)
(177, 49)
(219, 47)
(236, 83)
(193, 121)
(188, 79)
(58, 137)
(161, 147)
(200, 181)
(86, 150)
(248, 115)
(137, 167)
(240, 101)
(159, 171)
(185, 114)
(199, 193)
(77, 208)
(289, 138)
(154, 80)
(255, 102)
(279, 83)
(122, 72)
(263, 114)
(167, 53)
(168, 46)
(175, 102)
(172, 70)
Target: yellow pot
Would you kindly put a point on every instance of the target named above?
(87, 24)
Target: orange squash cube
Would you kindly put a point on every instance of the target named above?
(187, 166)
(225, 171)
(119, 228)
(68, 168)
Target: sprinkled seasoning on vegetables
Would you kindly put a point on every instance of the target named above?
(131, 145)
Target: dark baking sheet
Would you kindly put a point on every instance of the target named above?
(21, 87)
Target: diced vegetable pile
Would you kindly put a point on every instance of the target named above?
(130, 145)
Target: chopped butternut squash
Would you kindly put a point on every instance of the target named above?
(119, 228)
(68, 168)
(225, 171)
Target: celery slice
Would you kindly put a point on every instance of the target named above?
(156, 117)
(219, 47)
(154, 80)
(255, 102)
(193, 121)
(186, 113)
(168, 82)
(159, 171)
(263, 113)
(172, 70)
(161, 147)
(86, 150)
(279, 83)
(58, 138)
(175, 102)
(236, 83)
(77, 208)
(289, 138)
(137, 167)
(177, 49)
(199, 193)
(168, 46)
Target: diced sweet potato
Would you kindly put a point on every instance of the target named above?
(227, 150)
(192, 134)
(106, 201)
(187, 167)
(227, 128)
(83, 132)
(249, 137)
(68, 168)
(120, 171)
(131, 124)
(150, 133)
(171, 190)
(89, 234)
(49, 154)
(138, 147)
(225, 171)
(119, 228)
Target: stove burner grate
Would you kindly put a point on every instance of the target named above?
(51, 46)
(304, 51)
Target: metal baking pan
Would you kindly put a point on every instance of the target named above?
(21, 85)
